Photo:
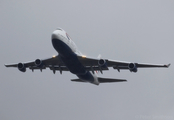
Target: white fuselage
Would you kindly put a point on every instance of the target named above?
(68, 52)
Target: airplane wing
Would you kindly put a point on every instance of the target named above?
(54, 63)
(91, 64)
(103, 64)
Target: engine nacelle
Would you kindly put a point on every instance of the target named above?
(21, 67)
(132, 67)
(102, 63)
(38, 63)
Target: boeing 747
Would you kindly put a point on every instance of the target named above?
(69, 58)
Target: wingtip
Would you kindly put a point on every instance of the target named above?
(168, 65)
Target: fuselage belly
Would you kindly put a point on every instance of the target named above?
(70, 59)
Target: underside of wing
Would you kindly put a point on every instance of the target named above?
(103, 64)
(151, 65)
(54, 63)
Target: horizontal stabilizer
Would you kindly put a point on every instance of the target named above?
(107, 80)
(103, 80)
(77, 80)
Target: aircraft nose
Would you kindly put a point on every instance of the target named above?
(55, 34)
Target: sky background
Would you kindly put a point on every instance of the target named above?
(127, 30)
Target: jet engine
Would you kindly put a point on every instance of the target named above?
(21, 67)
(38, 63)
(132, 67)
(102, 63)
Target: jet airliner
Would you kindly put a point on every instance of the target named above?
(69, 58)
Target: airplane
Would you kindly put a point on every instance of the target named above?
(69, 58)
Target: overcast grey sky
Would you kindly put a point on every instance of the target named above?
(128, 30)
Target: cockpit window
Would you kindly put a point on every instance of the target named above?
(59, 29)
